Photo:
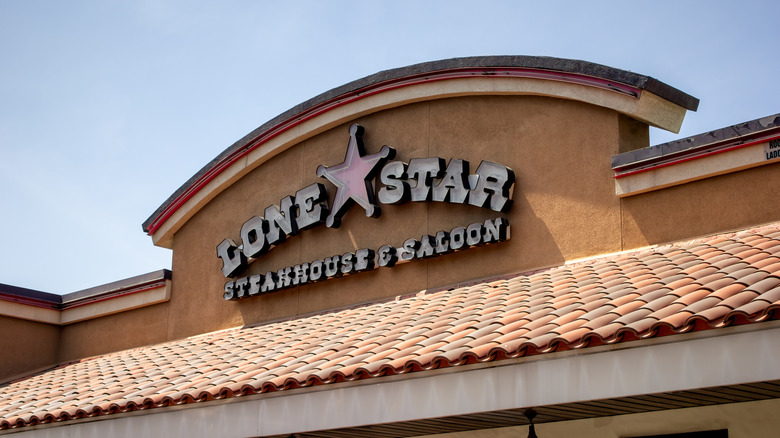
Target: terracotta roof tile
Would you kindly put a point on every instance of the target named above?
(634, 315)
(752, 309)
(771, 296)
(708, 283)
(716, 313)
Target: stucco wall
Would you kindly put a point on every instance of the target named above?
(128, 329)
(564, 205)
(727, 202)
(26, 346)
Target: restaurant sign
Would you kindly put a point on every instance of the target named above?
(421, 180)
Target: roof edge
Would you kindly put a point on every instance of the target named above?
(60, 302)
(705, 142)
(542, 63)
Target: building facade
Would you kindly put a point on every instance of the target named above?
(453, 249)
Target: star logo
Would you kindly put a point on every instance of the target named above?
(353, 177)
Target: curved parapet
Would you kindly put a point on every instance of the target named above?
(640, 97)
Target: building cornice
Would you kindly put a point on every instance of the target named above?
(713, 153)
(119, 296)
(638, 96)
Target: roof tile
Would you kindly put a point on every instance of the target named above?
(771, 296)
(633, 316)
(708, 283)
(752, 309)
(740, 298)
(764, 285)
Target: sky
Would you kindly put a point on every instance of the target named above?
(107, 106)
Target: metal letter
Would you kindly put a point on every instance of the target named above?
(332, 266)
(254, 284)
(396, 190)
(312, 206)
(474, 234)
(457, 238)
(269, 283)
(301, 274)
(315, 270)
(387, 256)
(253, 237)
(443, 243)
(496, 230)
(230, 293)
(492, 187)
(426, 247)
(454, 187)
(425, 170)
(232, 259)
(347, 263)
(409, 249)
(364, 260)
(281, 221)
(242, 287)
(283, 278)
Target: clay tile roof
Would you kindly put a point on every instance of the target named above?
(724, 280)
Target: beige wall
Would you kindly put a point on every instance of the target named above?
(132, 328)
(723, 203)
(743, 420)
(564, 205)
(26, 346)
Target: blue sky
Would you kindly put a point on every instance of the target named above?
(107, 107)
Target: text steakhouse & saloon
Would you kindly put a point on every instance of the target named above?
(421, 180)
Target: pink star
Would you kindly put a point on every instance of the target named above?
(352, 178)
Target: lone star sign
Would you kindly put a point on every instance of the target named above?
(353, 177)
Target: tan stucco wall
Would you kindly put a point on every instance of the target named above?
(132, 328)
(26, 346)
(564, 205)
(727, 202)
(743, 420)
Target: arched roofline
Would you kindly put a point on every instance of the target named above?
(641, 97)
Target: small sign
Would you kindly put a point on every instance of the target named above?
(772, 149)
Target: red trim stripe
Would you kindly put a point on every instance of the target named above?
(104, 297)
(34, 302)
(695, 156)
(381, 87)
